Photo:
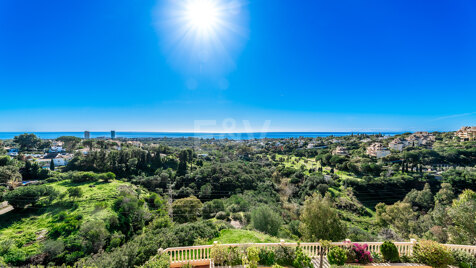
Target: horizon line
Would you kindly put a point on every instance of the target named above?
(218, 132)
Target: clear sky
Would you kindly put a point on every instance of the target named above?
(320, 65)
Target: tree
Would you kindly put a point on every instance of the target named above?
(184, 156)
(422, 200)
(52, 165)
(186, 209)
(89, 144)
(445, 195)
(205, 191)
(70, 142)
(131, 211)
(462, 211)
(399, 215)
(107, 177)
(319, 220)
(266, 220)
(22, 196)
(75, 192)
(93, 236)
(27, 141)
(9, 174)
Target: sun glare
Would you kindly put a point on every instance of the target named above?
(203, 36)
(202, 14)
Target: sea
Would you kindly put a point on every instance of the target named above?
(231, 136)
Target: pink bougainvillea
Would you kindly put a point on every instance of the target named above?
(362, 255)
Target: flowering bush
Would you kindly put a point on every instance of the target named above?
(362, 255)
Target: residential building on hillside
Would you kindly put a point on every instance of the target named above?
(340, 150)
(421, 138)
(398, 144)
(377, 150)
(56, 149)
(467, 133)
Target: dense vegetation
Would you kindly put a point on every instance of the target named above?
(117, 202)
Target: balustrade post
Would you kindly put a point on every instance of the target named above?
(413, 241)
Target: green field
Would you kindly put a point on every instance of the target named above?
(232, 236)
(28, 228)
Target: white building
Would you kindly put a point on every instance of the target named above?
(340, 150)
(398, 144)
(377, 150)
(56, 149)
(466, 133)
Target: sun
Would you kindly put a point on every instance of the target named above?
(203, 36)
(203, 15)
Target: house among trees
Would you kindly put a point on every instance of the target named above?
(417, 139)
(377, 150)
(421, 138)
(59, 160)
(340, 150)
(398, 144)
(467, 133)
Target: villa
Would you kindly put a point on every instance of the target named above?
(340, 150)
(467, 133)
(398, 144)
(377, 150)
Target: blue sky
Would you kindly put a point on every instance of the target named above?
(322, 65)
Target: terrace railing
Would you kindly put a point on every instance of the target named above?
(201, 255)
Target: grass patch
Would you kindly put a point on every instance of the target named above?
(232, 236)
(29, 227)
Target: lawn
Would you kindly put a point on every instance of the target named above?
(235, 236)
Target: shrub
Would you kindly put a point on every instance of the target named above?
(389, 252)
(337, 256)
(187, 265)
(218, 254)
(252, 257)
(186, 209)
(266, 220)
(14, 256)
(93, 236)
(432, 253)
(362, 255)
(284, 255)
(53, 247)
(277, 266)
(160, 261)
(22, 196)
(221, 215)
(407, 259)
(107, 177)
(377, 257)
(82, 176)
(266, 257)
(301, 260)
(464, 259)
